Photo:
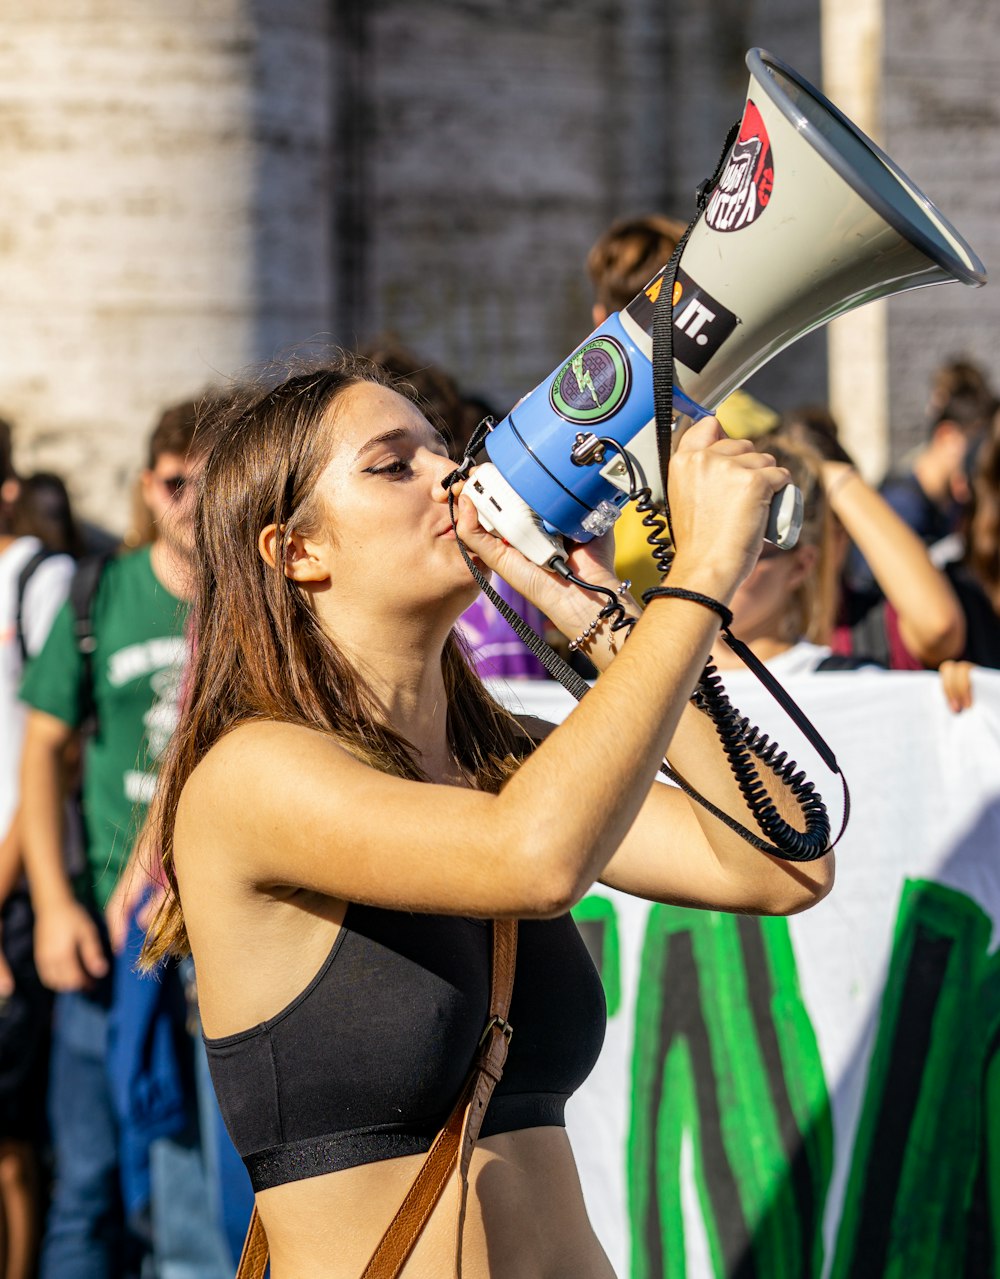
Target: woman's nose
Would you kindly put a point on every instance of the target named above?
(440, 489)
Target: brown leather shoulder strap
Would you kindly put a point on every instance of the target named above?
(454, 1144)
(254, 1257)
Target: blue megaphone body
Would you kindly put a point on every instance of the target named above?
(549, 476)
(605, 388)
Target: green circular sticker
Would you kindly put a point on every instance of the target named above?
(593, 383)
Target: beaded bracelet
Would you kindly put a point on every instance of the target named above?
(585, 635)
(679, 593)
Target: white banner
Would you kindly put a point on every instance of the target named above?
(817, 1097)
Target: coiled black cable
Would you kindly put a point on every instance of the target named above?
(741, 741)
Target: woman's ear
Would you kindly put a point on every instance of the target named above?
(806, 561)
(302, 564)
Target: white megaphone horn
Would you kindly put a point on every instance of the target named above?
(808, 220)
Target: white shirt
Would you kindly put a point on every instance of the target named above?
(800, 659)
(46, 590)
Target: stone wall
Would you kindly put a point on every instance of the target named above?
(190, 187)
(500, 145)
(941, 96)
(165, 217)
(492, 143)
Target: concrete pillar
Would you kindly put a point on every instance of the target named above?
(166, 217)
(919, 76)
(853, 37)
(941, 112)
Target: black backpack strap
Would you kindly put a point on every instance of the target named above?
(82, 592)
(23, 578)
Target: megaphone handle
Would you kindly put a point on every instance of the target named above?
(784, 523)
(502, 510)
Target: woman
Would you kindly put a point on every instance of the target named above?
(343, 808)
(975, 573)
(787, 608)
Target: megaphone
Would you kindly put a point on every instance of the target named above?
(808, 220)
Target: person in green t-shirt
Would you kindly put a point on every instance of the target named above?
(138, 626)
(138, 619)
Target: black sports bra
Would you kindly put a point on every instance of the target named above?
(367, 1062)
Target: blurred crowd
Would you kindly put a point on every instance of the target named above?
(113, 1158)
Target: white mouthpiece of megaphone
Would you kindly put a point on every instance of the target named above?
(809, 220)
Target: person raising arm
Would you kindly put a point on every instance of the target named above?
(343, 807)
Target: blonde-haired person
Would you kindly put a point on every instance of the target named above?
(785, 608)
(789, 609)
(344, 807)
(918, 620)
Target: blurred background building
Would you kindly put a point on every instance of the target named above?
(193, 185)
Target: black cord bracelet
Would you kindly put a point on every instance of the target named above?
(679, 593)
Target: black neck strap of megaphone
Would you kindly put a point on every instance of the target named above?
(739, 738)
(558, 668)
(663, 337)
(709, 694)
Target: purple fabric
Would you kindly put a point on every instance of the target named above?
(496, 650)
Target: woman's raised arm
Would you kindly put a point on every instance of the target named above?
(281, 805)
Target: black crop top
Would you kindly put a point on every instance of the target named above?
(367, 1062)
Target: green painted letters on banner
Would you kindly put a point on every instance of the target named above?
(598, 923)
(726, 1066)
(725, 1055)
(923, 1196)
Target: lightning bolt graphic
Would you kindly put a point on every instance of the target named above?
(584, 380)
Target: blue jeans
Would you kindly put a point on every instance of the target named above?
(188, 1242)
(85, 1233)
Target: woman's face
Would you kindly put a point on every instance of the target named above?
(385, 536)
(765, 606)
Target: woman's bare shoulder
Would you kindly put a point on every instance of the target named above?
(255, 764)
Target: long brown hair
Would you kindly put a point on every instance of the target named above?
(259, 653)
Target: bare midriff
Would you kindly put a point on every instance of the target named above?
(525, 1217)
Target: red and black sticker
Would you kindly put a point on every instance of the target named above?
(701, 324)
(745, 187)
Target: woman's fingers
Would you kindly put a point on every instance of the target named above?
(488, 546)
(956, 680)
(701, 434)
(720, 494)
(493, 552)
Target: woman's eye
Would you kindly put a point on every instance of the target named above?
(396, 467)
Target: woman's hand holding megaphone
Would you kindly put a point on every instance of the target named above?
(720, 496)
(720, 493)
(564, 603)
